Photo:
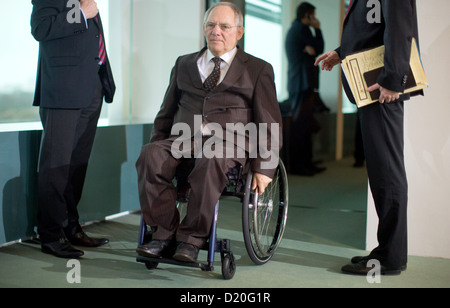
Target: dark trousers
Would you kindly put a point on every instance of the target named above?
(303, 125)
(383, 139)
(65, 149)
(156, 168)
(359, 148)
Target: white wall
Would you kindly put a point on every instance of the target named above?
(427, 142)
(179, 31)
(146, 37)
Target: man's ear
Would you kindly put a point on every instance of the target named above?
(241, 31)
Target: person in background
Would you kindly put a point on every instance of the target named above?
(302, 48)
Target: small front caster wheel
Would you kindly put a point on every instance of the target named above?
(228, 267)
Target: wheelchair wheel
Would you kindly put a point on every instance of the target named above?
(264, 217)
(228, 267)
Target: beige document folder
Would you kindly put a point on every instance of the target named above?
(362, 70)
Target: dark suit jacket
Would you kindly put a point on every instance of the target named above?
(68, 57)
(302, 74)
(247, 94)
(397, 28)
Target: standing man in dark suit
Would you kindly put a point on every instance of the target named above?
(371, 24)
(73, 77)
(243, 91)
(302, 48)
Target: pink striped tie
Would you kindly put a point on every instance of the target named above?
(101, 46)
(102, 50)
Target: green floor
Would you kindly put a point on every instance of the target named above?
(326, 227)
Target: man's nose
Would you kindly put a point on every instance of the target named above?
(216, 30)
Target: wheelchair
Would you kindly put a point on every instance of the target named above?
(263, 221)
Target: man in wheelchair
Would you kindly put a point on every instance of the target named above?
(209, 89)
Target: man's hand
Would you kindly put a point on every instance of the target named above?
(386, 96)
(310, 50)
(329, 60)
(260, 181)
(89, 8)
(315, 23)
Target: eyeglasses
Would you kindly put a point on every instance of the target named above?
(224, 27)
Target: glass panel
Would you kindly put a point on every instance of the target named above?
(144, 38)
(18, 60)
(263, 21)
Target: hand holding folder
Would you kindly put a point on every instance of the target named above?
(362, 70)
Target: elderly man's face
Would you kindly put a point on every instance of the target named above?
(221, 31)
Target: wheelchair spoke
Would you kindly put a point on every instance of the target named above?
(265, 226)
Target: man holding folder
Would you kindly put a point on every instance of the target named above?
(382, 122)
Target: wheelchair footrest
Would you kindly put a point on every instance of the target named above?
(155, 261)
(222, 246)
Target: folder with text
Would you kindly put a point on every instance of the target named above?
(363, 68)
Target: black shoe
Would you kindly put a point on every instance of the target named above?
(186, 252)
(155, 249)
(82, 239)
(359, 259)
(61, 249)
(365, 259)
(362, 269)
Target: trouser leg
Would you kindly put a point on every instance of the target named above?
(54, 168)
(208, 180)
(156, 168)
(383, 134)
(84, 141)
(301, 134)
(65, 148)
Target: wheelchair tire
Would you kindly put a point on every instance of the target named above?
(228, 267)
(264, 217)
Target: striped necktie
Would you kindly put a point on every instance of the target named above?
(101, 46)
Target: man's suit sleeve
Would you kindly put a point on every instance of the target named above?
(319, 44)
(267, 111)
(164, 120)
(49, 20)
(399, 26)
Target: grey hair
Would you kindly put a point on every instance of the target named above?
(237, 12)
